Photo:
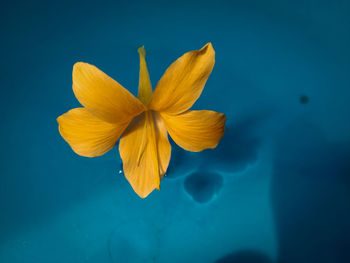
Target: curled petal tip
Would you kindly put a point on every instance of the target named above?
(207, 46)
(141, 50)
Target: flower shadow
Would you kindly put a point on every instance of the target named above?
(310, 196)
(237, 149)
(203, 186)
(245, 256)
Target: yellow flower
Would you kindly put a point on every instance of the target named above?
(110, 112)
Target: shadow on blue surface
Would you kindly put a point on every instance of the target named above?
(203, 186)
(237, 149)
(245, 256)
(311, 196)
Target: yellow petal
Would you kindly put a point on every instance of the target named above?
(145, 151)
(196, 130)
(183, 82)
(88, 135)
(103, 96)
(145, 86)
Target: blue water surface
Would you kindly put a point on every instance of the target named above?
(276, 189)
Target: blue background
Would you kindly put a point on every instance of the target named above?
(277, 188)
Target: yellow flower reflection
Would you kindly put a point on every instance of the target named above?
(110, 112)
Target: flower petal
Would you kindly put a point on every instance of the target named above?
(103, 96)
(183, 82)
(145, 151)
(145, 86)
(88, 135)
(196, 130)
